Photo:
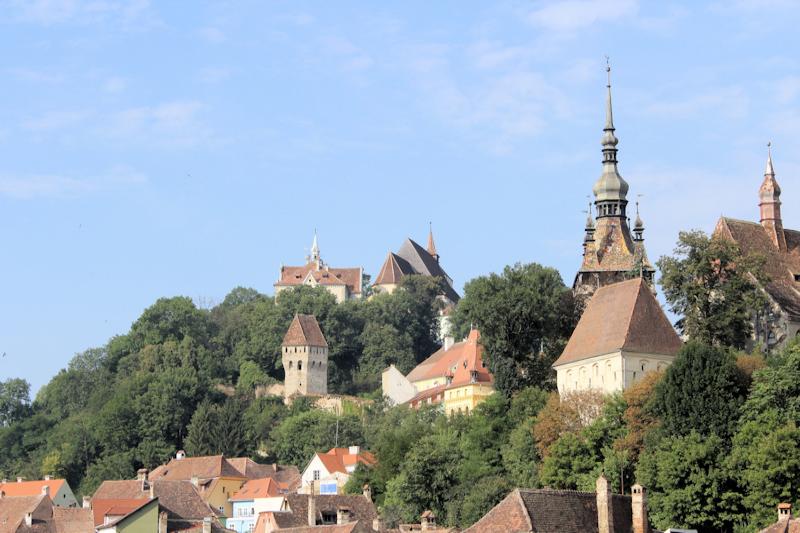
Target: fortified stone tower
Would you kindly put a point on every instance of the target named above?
(304, 353)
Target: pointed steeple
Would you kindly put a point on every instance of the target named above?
(638, 226)
(769, 195)
(610, 190)
(314, 257)
(431, 244)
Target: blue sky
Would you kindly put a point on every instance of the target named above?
(185, 148)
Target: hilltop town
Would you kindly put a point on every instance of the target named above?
(344, 403)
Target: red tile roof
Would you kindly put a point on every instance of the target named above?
(466, 356)
(31, 488)
(304, 331)
(259, 488)
(394, 269)
(205, 467)
(622, 316)
(72, 520)
(338, 459)
(14, 508)
(295, 275)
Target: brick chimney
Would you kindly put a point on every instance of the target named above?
(367, 491)
(162, 522)
(784, 511)
(141, 474)
(207, 524)
(29, 519)
(312, 507)
(605, 511)
(343, 515)
(46, 490)
(87, 502)
(639, 509)
(152, 491)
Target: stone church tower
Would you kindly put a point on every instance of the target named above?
(304, 353)
(611, 251)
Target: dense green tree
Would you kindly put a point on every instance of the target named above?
(701, 391)
(383, 345)
(709, 284)
(298, 437)
(201, 438)
(120, 465)
(479, 498)
(525, 316)
(14, 400)
(520, 456)
(71, 390)
(689, 485)
(171, 319)
(570, 464)
(261, 417)
(427, 477)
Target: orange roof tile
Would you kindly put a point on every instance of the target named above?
(394, 269)
(296, 275)
(114, 507)
(31, 488)
(338, 459)
(622, 316)
(466, 355)
(304, 331)
(259, 488)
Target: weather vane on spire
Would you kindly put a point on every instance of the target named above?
(608, 70)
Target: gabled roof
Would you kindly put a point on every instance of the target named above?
(338, 459)
(205, 467)
(179, 499)
(32, 488)
(296, 275)
(360, 507)
(14, 508)
(425, 264)
(103, 507)
(304, 331)
(552, 511)
(466, 356)
(622, 316)
(259, 488)
(781, 267)
(394, 269)
(288, 475)
(76, 520)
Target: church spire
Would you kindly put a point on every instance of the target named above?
(610, 190)
(769, 195)
(431, 244)
(314, 257)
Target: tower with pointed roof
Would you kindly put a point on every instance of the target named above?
(611, 251)
(304, 354)
(779, 321)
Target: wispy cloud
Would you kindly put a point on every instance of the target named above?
(172, 123)
(573, 15)
(131, 14)
(731, 102)
(55, 120)
(52, 185)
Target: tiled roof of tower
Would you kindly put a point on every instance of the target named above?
(31, 488)
(304, 331)
(781, 267)
(205, 467)
(394, 269)
(296, 275)
(552, 511)
(622, 316)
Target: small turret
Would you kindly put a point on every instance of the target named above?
(769, 204)
(638, 226)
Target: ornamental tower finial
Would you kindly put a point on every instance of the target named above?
(431, 244)
(314, 257)
(610, 190)
(769, 196)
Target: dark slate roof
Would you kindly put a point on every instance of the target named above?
(394, 269)
(552, 511)
(424, 263)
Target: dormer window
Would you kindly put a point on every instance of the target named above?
(797, 278)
